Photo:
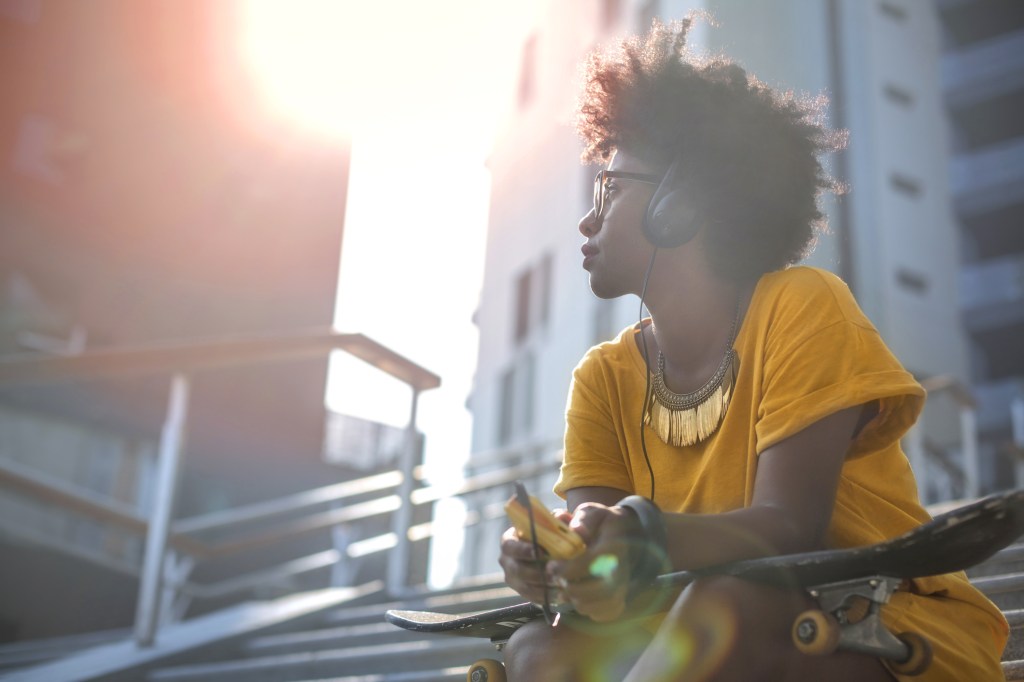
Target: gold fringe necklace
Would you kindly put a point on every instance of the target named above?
(683, 419)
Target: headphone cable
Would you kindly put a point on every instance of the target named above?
(647, 367)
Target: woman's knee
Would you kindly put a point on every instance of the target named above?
(741, 605)
(726, 623)
(528, 644)
(724, 617)
(538, 652)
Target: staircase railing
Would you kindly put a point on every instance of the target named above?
(165, 541)
(923, 451)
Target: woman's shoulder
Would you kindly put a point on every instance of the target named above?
(615, 355)
(808, 291)
(803, 279)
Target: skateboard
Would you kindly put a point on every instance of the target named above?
(850, 586)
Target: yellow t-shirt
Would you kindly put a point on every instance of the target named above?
(806, 351)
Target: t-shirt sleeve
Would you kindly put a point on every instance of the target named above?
(593, 450)
(822, 355)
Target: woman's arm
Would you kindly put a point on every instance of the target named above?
(794, 494)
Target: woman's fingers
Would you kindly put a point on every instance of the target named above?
(524, 573)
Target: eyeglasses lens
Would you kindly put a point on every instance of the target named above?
(599, 194)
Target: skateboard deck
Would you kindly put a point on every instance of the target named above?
(950, 542)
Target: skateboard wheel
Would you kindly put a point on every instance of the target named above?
(920, 655)
(486, 670)
(815, 633)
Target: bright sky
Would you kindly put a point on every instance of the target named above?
(418, 86)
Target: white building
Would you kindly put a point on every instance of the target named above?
(894, 237)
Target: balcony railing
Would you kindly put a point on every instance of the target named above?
(984, 70)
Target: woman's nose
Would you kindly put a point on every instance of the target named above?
(590, 224)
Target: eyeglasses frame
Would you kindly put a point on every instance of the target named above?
(605, 174)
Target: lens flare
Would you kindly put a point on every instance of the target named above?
(604, 566)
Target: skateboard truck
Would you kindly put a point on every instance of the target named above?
(849, 618)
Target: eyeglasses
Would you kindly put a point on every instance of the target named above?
(603, 176)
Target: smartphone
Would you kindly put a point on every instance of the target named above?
(553, 535)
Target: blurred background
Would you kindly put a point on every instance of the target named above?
(239, 238)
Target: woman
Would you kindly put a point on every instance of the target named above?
(758, 407)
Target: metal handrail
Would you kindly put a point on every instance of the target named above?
(69, 496)
(259, 511)
(86, 502)
(920, 451)
(178, 359)
(73, 498)
(502, 457)
(184, 536)
(945, 383)
(188, 356)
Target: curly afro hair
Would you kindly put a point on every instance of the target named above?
(747, 155)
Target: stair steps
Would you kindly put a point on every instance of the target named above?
(35, 652)
(1001, 578)
(354, 644)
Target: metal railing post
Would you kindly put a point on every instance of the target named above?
(172, 440)
(969, 436)
(398, 561)
(1017, 426)
(914, 441)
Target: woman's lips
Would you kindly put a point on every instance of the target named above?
(589, 251)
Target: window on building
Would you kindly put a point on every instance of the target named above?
(527, 385)
(905, 185)
(545, 272)
(912, 281)
(533, 292)
(898, 95)
(893, 10)
(522, 309)
(516, 404)
(506, 406)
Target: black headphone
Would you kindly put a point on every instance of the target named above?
(671, 219)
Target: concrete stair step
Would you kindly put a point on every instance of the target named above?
(463, 602)
(36, 651)
(214, 634)
(446, 675)
(1005, 590)
(336, 637)
(412, 656)
(1008, 560)
(365, 625)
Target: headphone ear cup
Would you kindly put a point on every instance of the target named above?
(670, 220)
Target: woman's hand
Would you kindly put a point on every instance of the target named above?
(524, 570)
(597, 582)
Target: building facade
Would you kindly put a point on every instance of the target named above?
(982, 69)
(891, 70)
(146, 197)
